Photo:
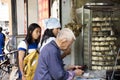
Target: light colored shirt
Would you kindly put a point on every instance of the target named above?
(31, 47)
(46, 42)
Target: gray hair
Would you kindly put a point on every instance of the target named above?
(66, 33)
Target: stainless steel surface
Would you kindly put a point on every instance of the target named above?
(103, 5)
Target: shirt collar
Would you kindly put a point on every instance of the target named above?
(54, 43)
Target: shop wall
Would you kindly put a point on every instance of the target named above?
(76, 56)
(66, 18)
(32, 11)
(20, 16)
(66, 12)
(43, 12)
(10, 19)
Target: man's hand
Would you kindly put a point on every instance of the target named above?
(73, 67)
(78, 72)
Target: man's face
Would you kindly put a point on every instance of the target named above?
(66, 44)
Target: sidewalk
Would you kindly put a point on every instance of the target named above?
(5, 77)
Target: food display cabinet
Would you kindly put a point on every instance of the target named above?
(98, 36)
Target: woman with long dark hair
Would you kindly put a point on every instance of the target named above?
(52, 28)
(29, 44)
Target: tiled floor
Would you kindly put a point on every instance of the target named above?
(4, 77)
(9, 76)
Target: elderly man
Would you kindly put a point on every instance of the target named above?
(50, 65)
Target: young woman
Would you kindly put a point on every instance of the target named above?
(52, 28)
(32, 39)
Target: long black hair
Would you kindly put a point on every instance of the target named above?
(48, 33)
(30, 30)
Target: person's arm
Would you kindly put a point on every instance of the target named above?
(73, 71)
(21, 55)
(58, 72)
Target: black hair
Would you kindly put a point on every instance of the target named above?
(30, 30)
(1, 29)
(48, 33)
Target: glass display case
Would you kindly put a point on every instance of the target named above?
(98, 36)
(103, 50)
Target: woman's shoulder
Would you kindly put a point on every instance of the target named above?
(22, 44)
(50, 39)
(46, 42)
